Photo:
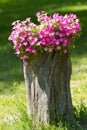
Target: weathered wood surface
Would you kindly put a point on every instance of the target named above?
(47, 81)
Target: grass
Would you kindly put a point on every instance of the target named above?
(13, 114)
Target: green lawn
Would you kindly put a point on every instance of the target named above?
(12, 87)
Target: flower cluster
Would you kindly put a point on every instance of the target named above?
(54, 33)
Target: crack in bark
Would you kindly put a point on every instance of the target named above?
(49, 76)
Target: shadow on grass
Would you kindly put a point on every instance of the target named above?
(10, 66)
(81, 115)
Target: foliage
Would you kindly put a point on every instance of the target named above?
(81, 113)
(55, 33)
(23, 122)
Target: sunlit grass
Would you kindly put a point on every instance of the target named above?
(10, 99)
(79, 80)
(4, 1)
(66, 8)
(74, 8)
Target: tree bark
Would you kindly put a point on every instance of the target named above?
(47, 81)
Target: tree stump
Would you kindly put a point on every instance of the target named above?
(47, 81)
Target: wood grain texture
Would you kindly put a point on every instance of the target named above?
(47, 81)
